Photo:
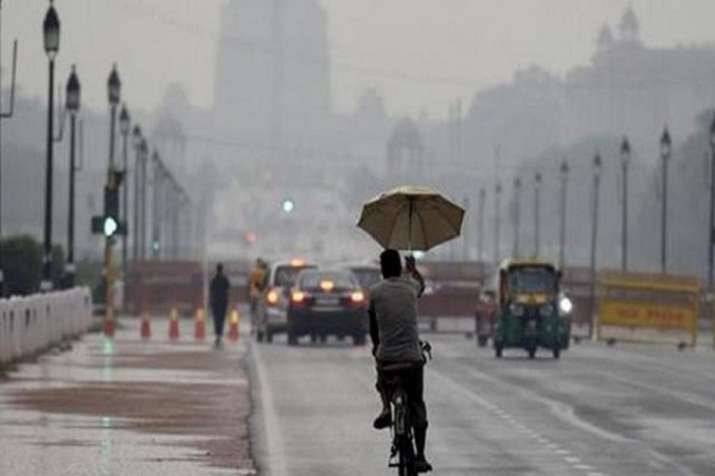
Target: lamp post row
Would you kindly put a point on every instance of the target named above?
(564, 171)
(51, 39)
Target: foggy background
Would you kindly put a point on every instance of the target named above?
(254, 102)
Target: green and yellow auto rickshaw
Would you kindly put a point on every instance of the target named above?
(529, 311)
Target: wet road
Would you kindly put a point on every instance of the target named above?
(128, 407)
(599, 411)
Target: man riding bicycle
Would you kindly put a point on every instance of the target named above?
(395, 339)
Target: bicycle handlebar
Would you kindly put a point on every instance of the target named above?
(426, 349)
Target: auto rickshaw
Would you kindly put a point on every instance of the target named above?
(529, 311)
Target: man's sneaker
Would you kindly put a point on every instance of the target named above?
(421, 464)
(383, 420)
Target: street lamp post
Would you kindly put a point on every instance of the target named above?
(114, 86)
(711, 223)
(51, 32)
(136, 142)
(114, 89)
(465, 239)
(625, 162)
(497, 222)
(537, 214)
(144, 147)
(155, 211)
(665, 151)
(480, 224)
(562, 224)
(597, 164)
(517, 216)
(5, 115)
(72, 105)
(124, 125)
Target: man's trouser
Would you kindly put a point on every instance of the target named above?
(219, 315)
(413, 384)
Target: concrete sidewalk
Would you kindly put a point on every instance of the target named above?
(127, 406)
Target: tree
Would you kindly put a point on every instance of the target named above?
(22, 259)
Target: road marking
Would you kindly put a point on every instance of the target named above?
(275, 451)
(567, 455)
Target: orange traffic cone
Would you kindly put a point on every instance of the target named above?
(146, 326)
(174, 324)
(109, 323)
(200, 325)
(233, 332)
(109, 327)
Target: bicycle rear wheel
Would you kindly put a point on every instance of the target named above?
(407, 457)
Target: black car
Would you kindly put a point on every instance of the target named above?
(324, 303)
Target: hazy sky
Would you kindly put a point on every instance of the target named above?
(419, 53)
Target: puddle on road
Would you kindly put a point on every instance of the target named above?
(115, 405)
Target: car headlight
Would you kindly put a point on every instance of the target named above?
(565, 306)
(547, 310)
(516, 310)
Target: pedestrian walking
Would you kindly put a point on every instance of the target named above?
(256, 282)
(219, 302)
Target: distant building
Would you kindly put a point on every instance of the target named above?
(273, 70)
(405, 153)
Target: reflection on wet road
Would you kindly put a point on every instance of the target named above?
(599, 411)
(124, 406)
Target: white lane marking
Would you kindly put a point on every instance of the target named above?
(574, 461)
(275, 451)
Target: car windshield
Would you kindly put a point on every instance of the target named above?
(286, 275)
(318, 280)
(532, 279)
(367, 276)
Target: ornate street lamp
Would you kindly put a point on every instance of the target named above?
(537, 213)
(144, 149)
(711, 224)
(711, 229)
(564, 171)
(124, 126)
(480, 225)
(625, 162)
(114, 88)
(517, 217)
(497, 222)
(136, 143)
(665, 151)
(597, 164)
(51, 36)
(73, 95)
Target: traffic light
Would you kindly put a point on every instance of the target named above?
(110, 222)
(288, 206)
(110, 226)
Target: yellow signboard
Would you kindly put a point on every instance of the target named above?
(631, 314)
(645, 305)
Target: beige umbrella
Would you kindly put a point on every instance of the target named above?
(411, 218)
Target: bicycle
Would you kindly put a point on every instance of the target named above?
(402, 450)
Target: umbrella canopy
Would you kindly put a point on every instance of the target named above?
(411, 218)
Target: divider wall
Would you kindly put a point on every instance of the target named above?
(32, 323)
